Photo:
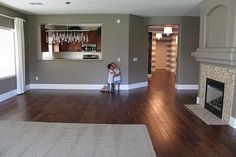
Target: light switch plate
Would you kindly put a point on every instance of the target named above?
(118, 59)
(135, 59)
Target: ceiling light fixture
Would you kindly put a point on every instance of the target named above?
(159, 36)
(67, 35)
(167, 30)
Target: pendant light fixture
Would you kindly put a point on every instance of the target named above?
(167, 30)
(67, 35)
(158, 36)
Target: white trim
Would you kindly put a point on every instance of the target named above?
(85, 86)
(7, 28)
(124, 87)
(7, 95)
(232, 122)
(138, 85)
(12, 93)
(187, 86)
(3, 15)
(10, 17)
(67, 86)
(7, 77)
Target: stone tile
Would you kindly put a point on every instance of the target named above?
(205, 115)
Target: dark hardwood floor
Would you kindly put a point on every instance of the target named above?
(174, 131)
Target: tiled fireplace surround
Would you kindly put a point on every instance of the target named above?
(219, 64)
(221, 74)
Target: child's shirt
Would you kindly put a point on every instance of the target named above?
(117, 74)
(110, 78)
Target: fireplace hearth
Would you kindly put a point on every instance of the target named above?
(214, 96)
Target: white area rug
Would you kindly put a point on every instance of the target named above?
(37, 139)
(206, 116)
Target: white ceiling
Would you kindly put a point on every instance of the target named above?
(136, 7)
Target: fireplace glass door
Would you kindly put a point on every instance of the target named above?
(214, 97)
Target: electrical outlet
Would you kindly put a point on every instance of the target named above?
(118, 59)
(36, 78)
(135, 59)
(197, 101)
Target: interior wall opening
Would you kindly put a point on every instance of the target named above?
(163, 48)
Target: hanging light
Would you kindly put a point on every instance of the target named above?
(158, 36)
(67, 35)
(167, 30)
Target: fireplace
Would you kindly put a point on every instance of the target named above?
(214, 96)
(216, 54)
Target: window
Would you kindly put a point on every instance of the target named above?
(7, 53)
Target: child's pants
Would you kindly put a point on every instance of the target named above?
(110, 87)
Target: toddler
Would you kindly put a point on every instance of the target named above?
(117, 76)
(110, 78)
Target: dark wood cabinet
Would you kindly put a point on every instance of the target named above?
(44, 44)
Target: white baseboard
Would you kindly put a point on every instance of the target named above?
(7, 95)
(134, 86)
(10, 94)
(67, 86)
(85, 86)
(186, 86)
(138, 85)
(232, 122)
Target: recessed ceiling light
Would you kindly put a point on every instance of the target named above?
(36, 3)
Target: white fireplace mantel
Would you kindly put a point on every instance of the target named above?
(225, 56)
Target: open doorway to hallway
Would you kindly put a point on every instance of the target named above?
(163, 48)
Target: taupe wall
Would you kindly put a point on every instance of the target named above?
(187, 67)
(115, 40)
(9, 84)
(125, 41)
(138, 48)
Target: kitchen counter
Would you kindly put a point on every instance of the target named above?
(75, 56)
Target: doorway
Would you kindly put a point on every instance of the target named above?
(163, 48)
